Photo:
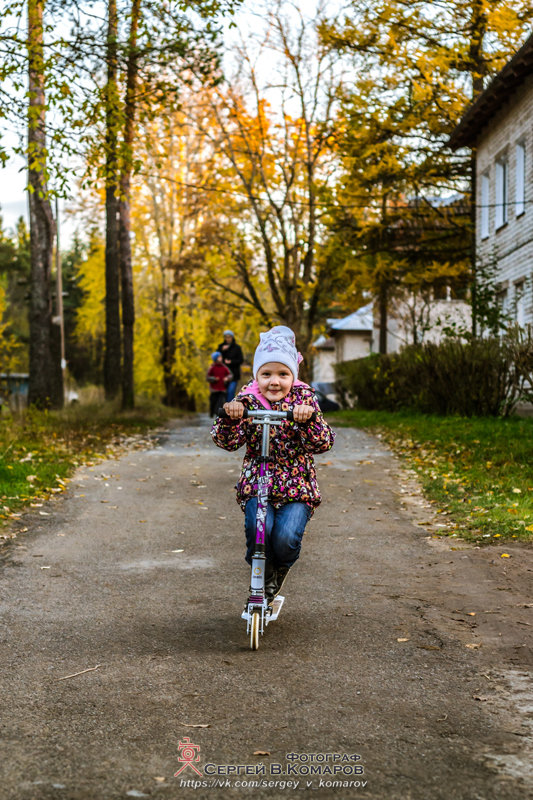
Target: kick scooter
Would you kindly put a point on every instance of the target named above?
(258, 612)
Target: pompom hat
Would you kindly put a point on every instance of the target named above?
(278, 344)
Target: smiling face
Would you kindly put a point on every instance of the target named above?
(275, 381)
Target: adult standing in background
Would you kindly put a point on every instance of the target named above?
(232, 358)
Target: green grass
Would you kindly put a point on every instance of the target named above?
(477, 471)
(40, 450)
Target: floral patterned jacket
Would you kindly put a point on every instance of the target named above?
(292, 468)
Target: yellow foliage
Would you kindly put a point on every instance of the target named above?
(90, 317)
(11, 351)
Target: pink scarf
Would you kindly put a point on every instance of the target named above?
(255, 392)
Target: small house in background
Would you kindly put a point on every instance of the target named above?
(357, 335)
(417, 319)
(345, 339)
(498, 125)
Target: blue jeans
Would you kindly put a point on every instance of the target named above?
(230, 391)
(283, 535)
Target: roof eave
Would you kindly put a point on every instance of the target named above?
(478, 114)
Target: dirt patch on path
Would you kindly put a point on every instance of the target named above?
(391, 646)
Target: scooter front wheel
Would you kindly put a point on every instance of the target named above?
(255, 624)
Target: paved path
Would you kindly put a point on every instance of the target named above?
(391, 646)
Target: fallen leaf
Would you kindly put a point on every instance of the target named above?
(402, 640)
(470, 613)
(473, 646)
(261, 752)
(159, 779)
(177, 551)
(505, 555)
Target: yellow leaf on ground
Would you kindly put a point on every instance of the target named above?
(505, 555)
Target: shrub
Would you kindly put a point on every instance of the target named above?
(483, 377)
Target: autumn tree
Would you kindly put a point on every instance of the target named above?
(161, 45)
(45, 384)
(273, 126)
(416, 65)
(113, 346)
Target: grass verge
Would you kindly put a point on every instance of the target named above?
(477, 471)
(39, 450)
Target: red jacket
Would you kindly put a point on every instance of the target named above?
(219, 372)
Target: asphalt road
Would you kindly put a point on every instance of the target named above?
(399, 668)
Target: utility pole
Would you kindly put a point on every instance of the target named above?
(59, 306)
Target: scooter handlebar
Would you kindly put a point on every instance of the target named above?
(264, 414)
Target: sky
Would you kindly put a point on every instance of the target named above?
(13, 198)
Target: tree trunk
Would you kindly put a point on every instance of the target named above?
(44, 389)
(383, 317)
(478, 69)
(112, 371)
(126, 267)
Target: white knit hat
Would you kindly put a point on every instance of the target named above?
(277, 344)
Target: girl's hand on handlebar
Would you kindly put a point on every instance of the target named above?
(234, 409)
(302, 413)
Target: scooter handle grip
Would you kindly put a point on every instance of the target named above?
(223, 414)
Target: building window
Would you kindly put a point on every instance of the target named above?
(501, 177)
(520, 303)
(520, 193)
(485, 205)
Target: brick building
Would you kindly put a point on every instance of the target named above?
(498, 126)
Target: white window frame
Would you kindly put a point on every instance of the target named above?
(503, 299)
(485, 205)
(520, 178)
(501, 180)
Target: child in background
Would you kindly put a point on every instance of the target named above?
(218, 376)
(293, 488)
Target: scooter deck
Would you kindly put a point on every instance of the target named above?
(274, 609)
